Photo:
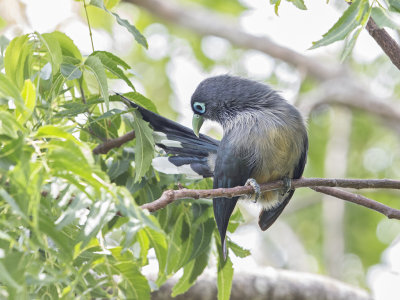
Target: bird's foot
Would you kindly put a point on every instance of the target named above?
(257, 191)
(287, 185)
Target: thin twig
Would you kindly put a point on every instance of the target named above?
(389, 212)
(322, 185)
(114, 143)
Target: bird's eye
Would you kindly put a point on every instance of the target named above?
(199, 107)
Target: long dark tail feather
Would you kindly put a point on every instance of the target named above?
(186, 148)
(223, 208)
(200, 146)
(268, 217)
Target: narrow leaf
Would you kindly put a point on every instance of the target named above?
(28, 94)
(112, 63)
(383, 18)
(46, 71)
(70, 71)
(68, 48)
(131, 28)
(3, 44)
(14, 205)
(225, 276)
(238, 250)
(53, 48)
(144, 148)
(190, 273)
(299, 4)
(8, 125)
(349, 44)
(394, 5)
(350, 19)
(8, 88)
(138, 99)
(97, 68)
(15, 58)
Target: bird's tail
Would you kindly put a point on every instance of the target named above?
(188, 154)
(268, 216)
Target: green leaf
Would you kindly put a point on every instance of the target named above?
(190, 273)
(46, 71)
(225, 276)
(53, 48)
(8, 88)
(7, 279)
(144, 148)
(51, 131)
(138, 99)
(70, 71)
(16, 58)
(98, 217)
(117, 168)
(350, 19)
(9, 126)
(159, 243)
(97, 68)
(131, 28)
(3, 44)
(349, 44)
(28, 94)
(109, 4)
(14, 205)
(202, 237)
(135, 284)
(276, 4)
(383, 18)
(112, 63)
(394, 5)
(299, 4)
(59, 237)
(68, 47)
(235, 220)
(238, 250)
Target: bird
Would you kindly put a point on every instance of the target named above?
(264, 139)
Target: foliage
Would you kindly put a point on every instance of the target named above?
(70, 224)
(353, 21)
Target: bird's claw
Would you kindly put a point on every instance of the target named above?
(257, 190)
(287, 185)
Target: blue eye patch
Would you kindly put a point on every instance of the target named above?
(199, 107)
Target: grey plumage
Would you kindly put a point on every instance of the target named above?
(265, 138)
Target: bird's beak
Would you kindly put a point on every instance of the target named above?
(196, 123)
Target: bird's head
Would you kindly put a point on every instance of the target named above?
(221, 98)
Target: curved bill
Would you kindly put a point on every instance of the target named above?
(196, 123)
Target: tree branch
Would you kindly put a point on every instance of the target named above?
(272, 284)
(322, 185)
(113, 143)
(205, 22)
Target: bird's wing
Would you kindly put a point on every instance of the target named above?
(230, 171)
(268, 216)
(191, 155)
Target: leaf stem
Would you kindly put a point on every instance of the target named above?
(88, 21)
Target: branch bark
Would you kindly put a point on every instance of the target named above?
(321, 185)
(272, 284)
(205, 22)
(113, 143)
(385, 41)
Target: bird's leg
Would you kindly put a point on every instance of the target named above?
(287, 185)
(256, 187)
